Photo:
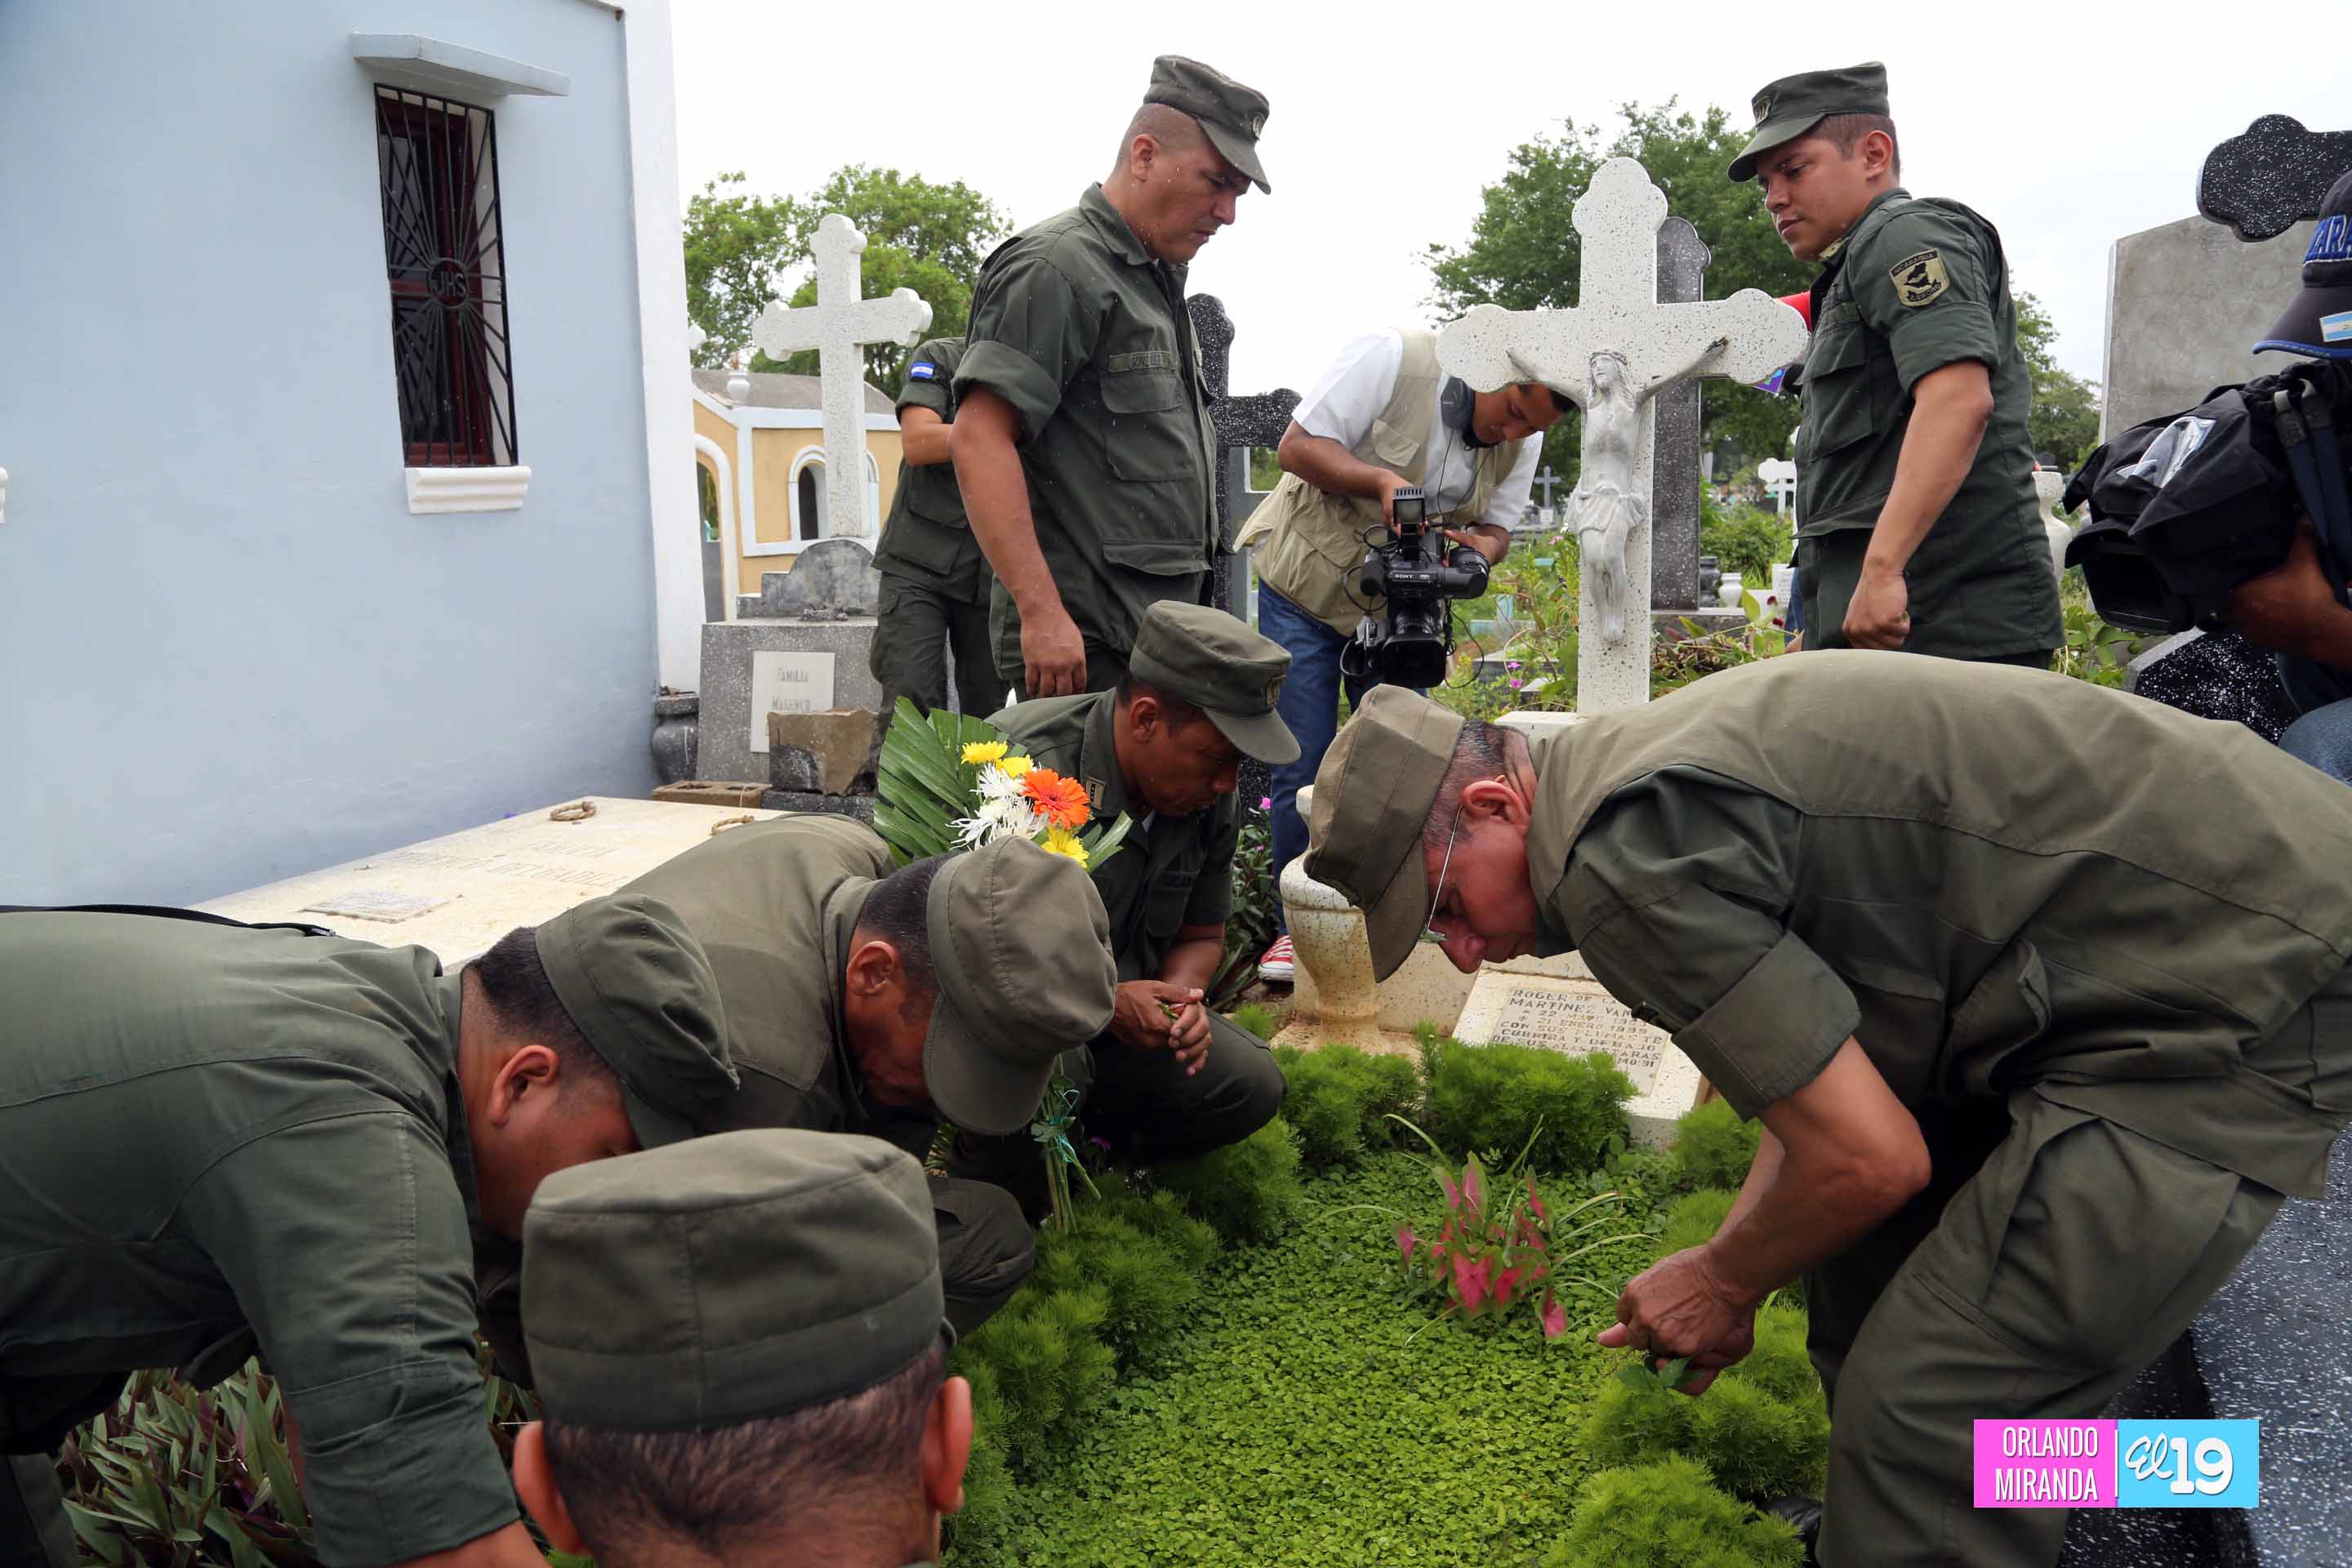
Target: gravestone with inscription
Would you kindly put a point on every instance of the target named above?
(810, 659)
(1556, 1006)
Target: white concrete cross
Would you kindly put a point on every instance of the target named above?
(1617, 313)
(1547, 480)
(1779, 477)
(838, 326)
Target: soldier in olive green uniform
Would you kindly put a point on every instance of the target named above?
(1917, 523)
(1082, 439)
(935, 581)
(218, 1140)
(865, 998)
(741, 1358)
(1168, 1077)
(1871, 898)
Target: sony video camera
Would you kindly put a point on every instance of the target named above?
(1407, 643)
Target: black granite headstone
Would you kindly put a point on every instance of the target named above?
(1252, 419)
(2214, 674)
(2265, 182)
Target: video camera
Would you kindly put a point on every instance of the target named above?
(1408, 642)
(2185, 508)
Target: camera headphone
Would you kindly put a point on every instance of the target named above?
(1455, 403)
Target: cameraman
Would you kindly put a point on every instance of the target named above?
(1381, 417)
(2294, 611)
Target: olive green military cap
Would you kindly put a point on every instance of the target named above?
(730, 1278)
(1786, 109)
(1201, 655)
(1233, 115)
(641, 991)
(1021, 949)
(1372, 795)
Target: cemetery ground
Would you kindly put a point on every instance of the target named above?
(1236, 1361)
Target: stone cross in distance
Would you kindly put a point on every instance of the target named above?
(1547, 480)
(1617, 308)
(838, 327)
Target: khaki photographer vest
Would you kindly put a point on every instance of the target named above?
(1309, 542)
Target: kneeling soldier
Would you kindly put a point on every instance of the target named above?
(218, 1139)
(865, 999)
(741, 1353)
(1167, 1078)
(2036, 1061)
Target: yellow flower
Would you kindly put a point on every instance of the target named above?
(1061, 841)
(984, 751)
(1015, 765)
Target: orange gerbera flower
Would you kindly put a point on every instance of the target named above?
(1062, 801)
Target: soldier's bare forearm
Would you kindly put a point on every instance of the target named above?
(1849, 1155)
(1950, 408)
(924, 435)
(1192, 960)
(981, 443)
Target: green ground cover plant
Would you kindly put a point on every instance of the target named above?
(1713, 1147)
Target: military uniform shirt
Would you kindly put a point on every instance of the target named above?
(773, 904)
(1079, 328)
(211, 1136)
(1179, 873)
(927, 539)
(1917, 286)
(1995, 879)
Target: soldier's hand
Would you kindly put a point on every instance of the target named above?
(1678, 1307)
(1879, 614)
(1189, 1036)
(1146, 1014)
(1053, 655)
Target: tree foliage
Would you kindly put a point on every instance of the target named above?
(741, 248)
(1524, 253)
(2065, 423)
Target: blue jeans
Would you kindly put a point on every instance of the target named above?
(2323, 736)
(1309, 704)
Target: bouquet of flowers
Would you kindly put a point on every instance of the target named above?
(950, 782)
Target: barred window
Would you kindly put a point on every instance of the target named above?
(437, 163)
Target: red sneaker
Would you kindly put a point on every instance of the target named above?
(1278, 967)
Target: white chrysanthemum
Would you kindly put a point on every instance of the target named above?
(996, 785)
(972, 832)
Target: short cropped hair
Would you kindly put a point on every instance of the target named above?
(851, 1465)
(1171, 127)
(1483, 751)
(1845, 131)
(515, 984)
(899, 911)
(1177, 711)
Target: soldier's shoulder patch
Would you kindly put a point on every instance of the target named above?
(923, 370)
(1920, 279)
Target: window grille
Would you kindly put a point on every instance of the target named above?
(437, 164)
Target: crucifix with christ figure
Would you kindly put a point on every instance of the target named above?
(838, 327)
(1612, 354)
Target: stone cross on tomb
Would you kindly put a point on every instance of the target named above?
(838, 327)
(1545, 480)
(1243, 422)
(1612, 354)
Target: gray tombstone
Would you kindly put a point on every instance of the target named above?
(1683, 257)
(830, 580)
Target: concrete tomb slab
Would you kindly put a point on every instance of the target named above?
(467, 889)
(753, 667)
(1579, 1016)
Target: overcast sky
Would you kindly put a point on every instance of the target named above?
(2066, 124)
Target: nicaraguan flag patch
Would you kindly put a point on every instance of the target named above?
(2335, 329)
(923, 370)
